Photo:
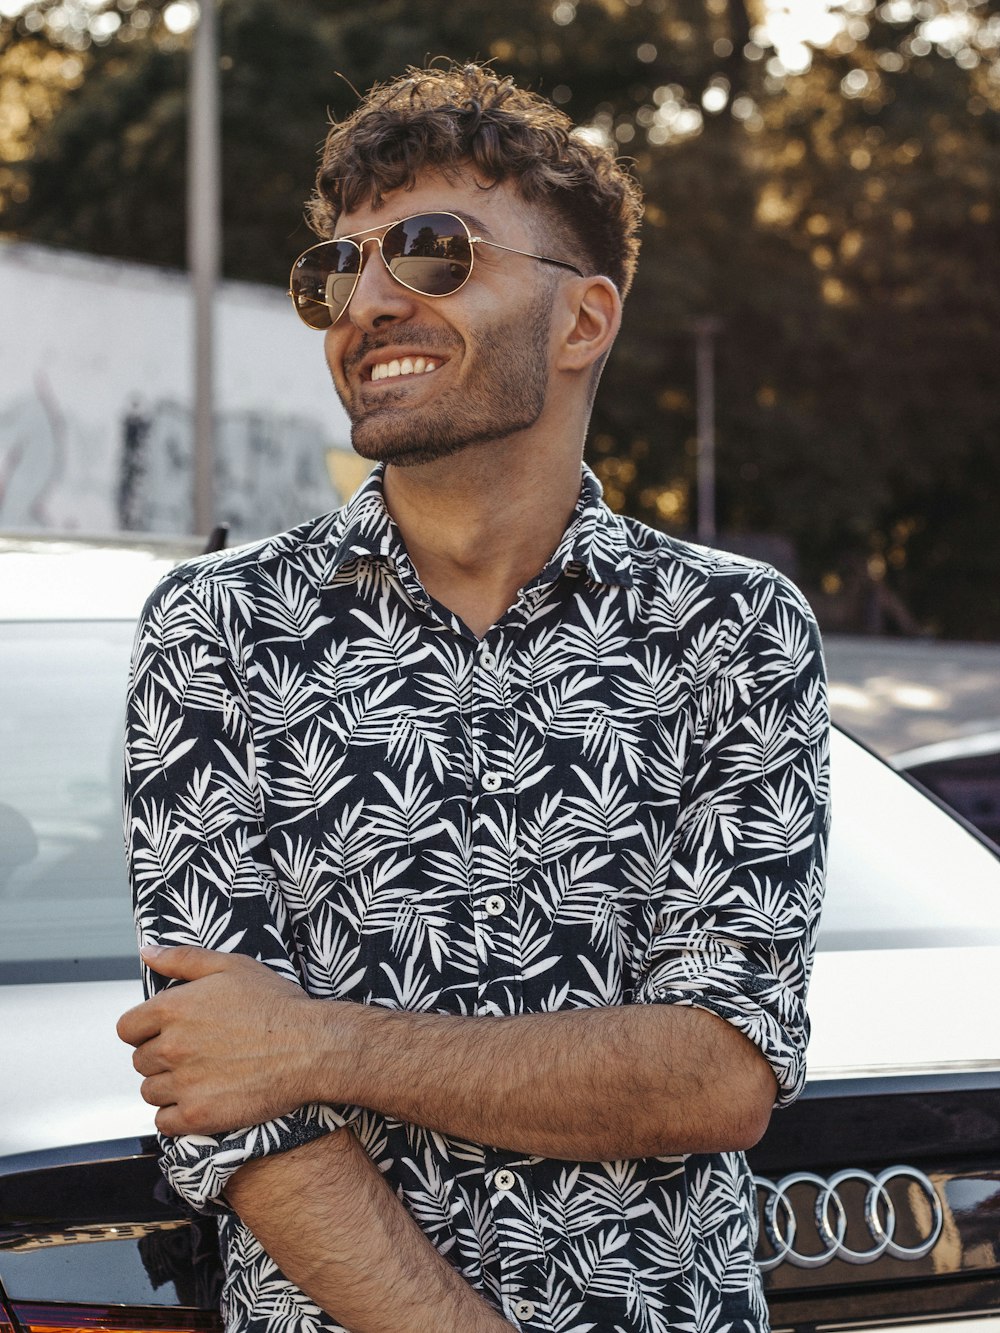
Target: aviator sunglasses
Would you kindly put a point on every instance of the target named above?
(430, 253)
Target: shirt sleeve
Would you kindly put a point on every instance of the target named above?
(195, 842)
(740, 908)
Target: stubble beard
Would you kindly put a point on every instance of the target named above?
(504, 394)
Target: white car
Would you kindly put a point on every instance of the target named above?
(879, 1190)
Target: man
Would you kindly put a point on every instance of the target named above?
(498, 818)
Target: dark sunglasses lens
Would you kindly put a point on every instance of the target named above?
(323, 280)
(429, 254)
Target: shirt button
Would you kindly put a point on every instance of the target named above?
(505, 1180)
(492, 781)
(487, 659)
(524, 1310)
(495, 905)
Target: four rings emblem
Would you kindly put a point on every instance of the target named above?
(829, 1218)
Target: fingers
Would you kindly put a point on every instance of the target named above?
(158, 1091)
(187, 962)
(180, 1111)
(139, 1024)
(147, 1060)
(170, 1120)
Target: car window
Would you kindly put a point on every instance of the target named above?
(970, 784)
(903, 873)
(65, 910)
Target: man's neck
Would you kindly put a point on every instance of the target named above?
(480, 525)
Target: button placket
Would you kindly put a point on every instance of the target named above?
(513, 1206)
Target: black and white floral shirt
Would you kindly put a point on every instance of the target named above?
(617, 796)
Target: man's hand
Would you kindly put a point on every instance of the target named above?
(238, 1045)
(230, 1048)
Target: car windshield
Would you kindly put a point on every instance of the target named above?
(65, 911)
(902, 873)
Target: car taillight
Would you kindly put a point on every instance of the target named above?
(51, 1317)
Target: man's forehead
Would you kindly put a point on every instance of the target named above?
(474, 200)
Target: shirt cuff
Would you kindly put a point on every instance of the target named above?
(771, 1014)
(198, 1167)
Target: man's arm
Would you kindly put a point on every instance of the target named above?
(334, 1228)
(201, 872)
(238, 1043)
(197, 851)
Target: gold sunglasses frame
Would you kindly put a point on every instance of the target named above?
(434, 296)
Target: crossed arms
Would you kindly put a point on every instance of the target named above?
(238, 1044)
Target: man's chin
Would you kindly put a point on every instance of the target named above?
(382, 446)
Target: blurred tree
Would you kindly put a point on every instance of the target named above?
(830, 192)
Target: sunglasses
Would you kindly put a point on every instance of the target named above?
(430, 253)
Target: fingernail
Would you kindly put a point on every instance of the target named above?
(151, 950)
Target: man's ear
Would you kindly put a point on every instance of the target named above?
(591, 317)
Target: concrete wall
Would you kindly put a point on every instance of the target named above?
(95, 402)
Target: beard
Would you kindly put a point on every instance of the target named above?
(503, 393)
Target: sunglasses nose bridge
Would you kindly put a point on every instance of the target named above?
(363, 261)
(377, 291)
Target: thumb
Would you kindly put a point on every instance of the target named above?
(186, 962)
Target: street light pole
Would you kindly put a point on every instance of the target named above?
(705, 330)
(203, 246)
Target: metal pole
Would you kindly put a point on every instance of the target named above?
(705, 331)
(203, 246)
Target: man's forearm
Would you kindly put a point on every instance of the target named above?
(239, 1045)
(630, 1081)
(334, 1228)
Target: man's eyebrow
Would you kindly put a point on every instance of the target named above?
(474, 223)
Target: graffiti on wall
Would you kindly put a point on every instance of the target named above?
(32, 457)
(271, 470)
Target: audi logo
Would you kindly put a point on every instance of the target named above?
(830, 1217)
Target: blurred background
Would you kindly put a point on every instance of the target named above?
(808, 369)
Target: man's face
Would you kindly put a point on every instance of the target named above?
(478, 361)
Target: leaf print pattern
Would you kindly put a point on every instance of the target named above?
(327, 771)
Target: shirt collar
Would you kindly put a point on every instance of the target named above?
(368, 531)
(595, 541)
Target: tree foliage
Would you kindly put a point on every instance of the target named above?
(836, 206)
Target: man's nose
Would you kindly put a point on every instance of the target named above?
(378, 297)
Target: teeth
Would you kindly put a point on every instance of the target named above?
(384, 370)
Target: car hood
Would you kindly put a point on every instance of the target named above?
(66, 1076)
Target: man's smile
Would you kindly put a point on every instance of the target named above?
(394, 367)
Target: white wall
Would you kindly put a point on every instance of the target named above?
(89, 345)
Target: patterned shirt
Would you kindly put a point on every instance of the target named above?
(617, 796)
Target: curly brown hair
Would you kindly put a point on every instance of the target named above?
(456, 115)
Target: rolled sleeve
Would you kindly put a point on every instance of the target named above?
(195, 844)
(740, 907)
